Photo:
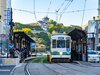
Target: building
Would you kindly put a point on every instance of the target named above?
(93, 32)
(44, 23)
(3, 6)
(4, 27)
(84, 27)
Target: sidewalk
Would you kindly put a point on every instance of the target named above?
(19, 69)
(83, 63)
(87, 63)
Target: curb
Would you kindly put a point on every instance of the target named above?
(77, 62)
(30, 58)
(12, 71)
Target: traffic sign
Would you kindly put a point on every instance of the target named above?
(11, 45)
(8, 16)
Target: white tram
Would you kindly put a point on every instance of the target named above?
(60, 48)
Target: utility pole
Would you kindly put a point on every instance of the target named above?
(11, 28)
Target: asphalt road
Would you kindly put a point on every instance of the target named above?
(5, 70)
(60, 69)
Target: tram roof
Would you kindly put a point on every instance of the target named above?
(77, 34)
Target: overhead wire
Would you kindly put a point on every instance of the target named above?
(31, 12)
(61, 5)
(83, 12)
(34, 11)
(49, 7)
(57, 11)
(65, 8)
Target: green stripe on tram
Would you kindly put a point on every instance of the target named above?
(65, 53)
(55, 53)
(58, 53)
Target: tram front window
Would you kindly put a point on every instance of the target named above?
(60, 43)
(53, 43)
(67, 44)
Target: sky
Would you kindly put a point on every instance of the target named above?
(68, 18)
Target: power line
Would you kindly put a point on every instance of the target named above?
(61, 5)
(83, 12)
(66, 7)
(59, 10)
(49, 7)
(34, 11)
(74, 11)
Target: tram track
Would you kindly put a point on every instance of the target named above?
(73, 69)
(56, 73)
(26, 69)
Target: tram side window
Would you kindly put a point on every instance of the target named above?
(60, 43)
(53, 43)
(67, 44)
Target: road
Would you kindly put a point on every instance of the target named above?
(60, 69)
(5, 70)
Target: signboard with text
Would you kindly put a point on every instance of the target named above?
(8, 16)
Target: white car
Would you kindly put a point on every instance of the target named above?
(99, 54)
(93, 56)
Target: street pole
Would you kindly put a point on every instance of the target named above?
(11, 28)
(11, 38)
(93, 40)
(97, 22)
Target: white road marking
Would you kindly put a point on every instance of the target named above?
(4, 70)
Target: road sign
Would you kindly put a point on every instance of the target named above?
(8, 16)
(11, 45)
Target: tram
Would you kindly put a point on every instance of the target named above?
(60, 48)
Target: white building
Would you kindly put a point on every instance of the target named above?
(44, 23)
(93, 33)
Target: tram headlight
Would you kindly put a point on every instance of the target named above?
(60, 53)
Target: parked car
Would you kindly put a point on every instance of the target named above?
(99, 54)
(93, 56)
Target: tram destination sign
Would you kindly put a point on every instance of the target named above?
(60, 38)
